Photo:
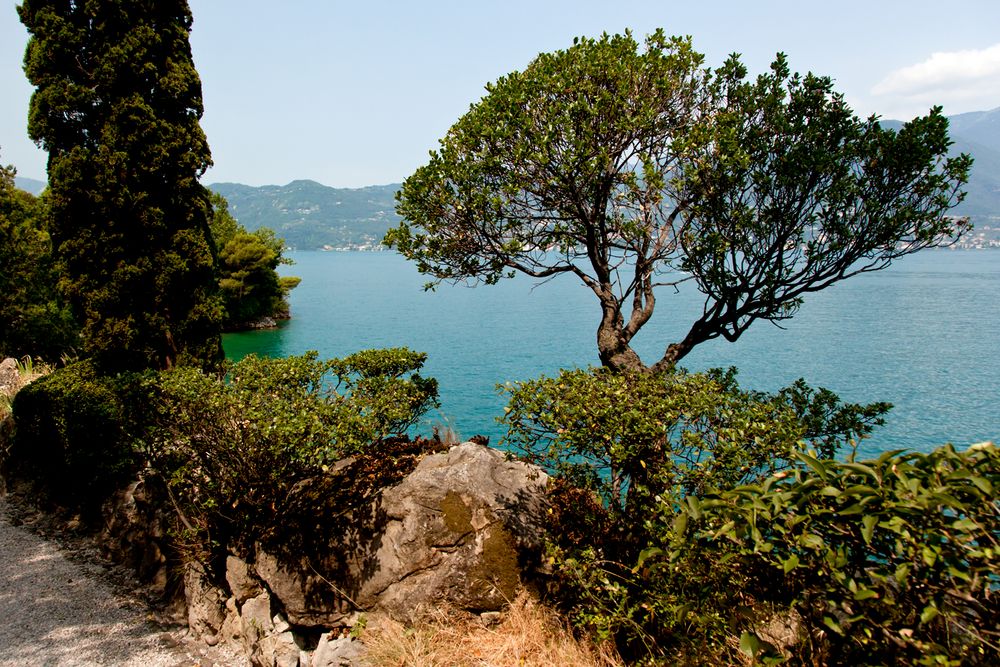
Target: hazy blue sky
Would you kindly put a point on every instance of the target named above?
(356, 93)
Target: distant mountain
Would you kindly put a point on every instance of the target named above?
(978, 127)
(982, 202)
(309, 215)
(29, 184)
(978, 134)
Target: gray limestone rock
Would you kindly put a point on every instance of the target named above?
(242, 583)
(340, 652)
(279, 650)
(135, 532)
(232, 627)
(460, 525)
(206, 604)
(455, 530)
(255, 617)
(307, 598)
(9, 377)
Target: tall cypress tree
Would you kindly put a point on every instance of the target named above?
(117, 106)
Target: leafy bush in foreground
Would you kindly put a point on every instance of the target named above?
(232, 448)
(629, 450)
(893, 560)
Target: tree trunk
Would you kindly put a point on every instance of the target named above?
(677, 351)
(612, 344)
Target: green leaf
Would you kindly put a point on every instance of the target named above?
(750, 644)
(929, 613)
(727, 528)
(812, 541)
(790, 563)
(818, 467)
(694, 507)
(680, 525)
(861, 468)
(646, 554)
(868, 523)
(965, 524)
(983, 484)
(831, 623)
(930, 555)
(865, 594)
(856, 508)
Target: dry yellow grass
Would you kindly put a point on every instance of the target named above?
(27, 372)
(528, 635)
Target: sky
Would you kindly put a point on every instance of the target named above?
(356, 93)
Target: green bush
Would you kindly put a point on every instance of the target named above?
(33, 318)
(250, 286)
(232, 448)
(894, 560)
(629, 450)
(71, 437)
(629, 434)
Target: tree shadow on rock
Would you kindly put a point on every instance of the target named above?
(324, 545)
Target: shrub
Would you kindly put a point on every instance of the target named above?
(232, 448)
(629, 451)
(629, 434)
(894, 560)
(71, 437)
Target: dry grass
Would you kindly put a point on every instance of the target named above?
(528, 635)
(27, 372)
(445, 432)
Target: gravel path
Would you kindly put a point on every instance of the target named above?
(59, 610)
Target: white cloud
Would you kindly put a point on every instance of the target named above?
(958, 80)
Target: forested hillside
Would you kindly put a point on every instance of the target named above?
(308, 215)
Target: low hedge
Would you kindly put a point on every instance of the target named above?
(70, 437)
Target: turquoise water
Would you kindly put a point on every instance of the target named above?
(923, 334)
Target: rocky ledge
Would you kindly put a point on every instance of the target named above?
(463, 529)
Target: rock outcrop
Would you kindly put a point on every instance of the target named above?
(136, 532)
(462, 529)
(457, 530)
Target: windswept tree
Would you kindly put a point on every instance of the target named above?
(636, 168)
(117, 106)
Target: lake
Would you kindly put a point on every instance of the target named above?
(923, 335)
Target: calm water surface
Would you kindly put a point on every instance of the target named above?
(924, 335)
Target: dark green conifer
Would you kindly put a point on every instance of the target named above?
(117, 106)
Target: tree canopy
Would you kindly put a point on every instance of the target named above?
(117, 106)
(33, 319)
(637, 168)
(249, 282)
